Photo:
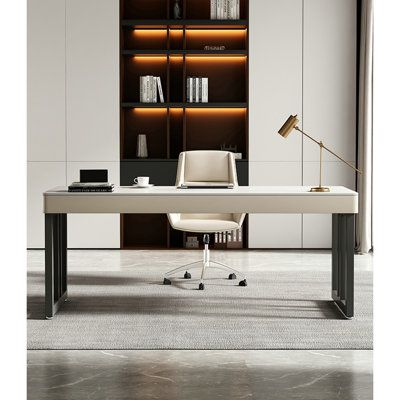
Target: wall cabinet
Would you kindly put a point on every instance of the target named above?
(309, 69)
(46, 80)
(40, 176)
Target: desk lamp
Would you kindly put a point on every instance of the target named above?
(288, 126)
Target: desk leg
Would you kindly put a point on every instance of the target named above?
(343, 263)
(55, 262)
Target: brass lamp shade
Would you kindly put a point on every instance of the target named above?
(288, 126)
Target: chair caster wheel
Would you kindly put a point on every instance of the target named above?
(243, 283)
(201, 286)
(187, 275)
(232, 277)
(166, 281)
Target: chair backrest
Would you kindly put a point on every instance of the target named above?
(206, 166)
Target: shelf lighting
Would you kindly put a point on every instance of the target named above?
(216, 57)
(219, 110)
(216, 32)
(150, 32)
(149, 110)
(149, 58)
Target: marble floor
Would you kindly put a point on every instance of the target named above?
(198, 375)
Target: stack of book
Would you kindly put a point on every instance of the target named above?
(197, 90)
(225, 9)
(90, 187)
(149, 86)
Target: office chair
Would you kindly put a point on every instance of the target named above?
(204, 167)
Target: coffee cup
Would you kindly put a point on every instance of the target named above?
(142, 180)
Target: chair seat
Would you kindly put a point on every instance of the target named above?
(205, 225)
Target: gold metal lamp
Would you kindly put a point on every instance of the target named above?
(288, 126)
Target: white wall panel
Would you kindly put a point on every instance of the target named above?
(92, 38)
(93, 230)
(41, 176)
(275, 91)
(46, 80)
(275, 230)
(275, 78)
(330, 50)
(317, 228)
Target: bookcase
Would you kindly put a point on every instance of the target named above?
(154, 43)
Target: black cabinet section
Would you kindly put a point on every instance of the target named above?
(163, 172)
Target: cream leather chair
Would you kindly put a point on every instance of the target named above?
(204, 167)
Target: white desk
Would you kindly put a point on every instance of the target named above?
(341, 202)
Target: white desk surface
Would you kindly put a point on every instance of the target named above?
(240, 190)
(167, 199)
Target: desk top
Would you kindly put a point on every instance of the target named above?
(169, 199)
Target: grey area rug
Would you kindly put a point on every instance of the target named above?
(133, 310)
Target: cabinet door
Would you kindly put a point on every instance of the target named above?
(275, 78)
(275, 230)
(330, 49)
(41, 176)
(275, 92)
(92, 39)
(93, 230)
(46, 80)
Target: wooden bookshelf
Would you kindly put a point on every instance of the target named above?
(153, 43)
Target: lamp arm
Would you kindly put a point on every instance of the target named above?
(330, 151)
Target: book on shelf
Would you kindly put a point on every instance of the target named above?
(204, 90)
(90, 187)
(149, 86)
(225, 9)
(160, 91)
(197, 90)
(213, 9)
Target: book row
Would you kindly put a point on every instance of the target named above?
(225, 9)
(197, 90)
(227, 237)
(151, 89)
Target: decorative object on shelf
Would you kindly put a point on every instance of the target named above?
(225, 9)
(192, 242)
(218, 48)
(148, 89)
(238, 156)
(288, 126)
(197, 90)
(231, 148)
(141, 149)
(177, 10)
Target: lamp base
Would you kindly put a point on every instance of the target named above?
(320, 189)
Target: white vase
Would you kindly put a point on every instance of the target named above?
(141, 149)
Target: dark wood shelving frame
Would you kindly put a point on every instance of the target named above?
(178, 125)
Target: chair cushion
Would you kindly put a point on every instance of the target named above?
(205, 225)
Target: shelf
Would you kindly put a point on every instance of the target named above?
(184, 52)
(183, 105)
(194, 23)
(152, 43)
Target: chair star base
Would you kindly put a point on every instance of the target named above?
(205, 265)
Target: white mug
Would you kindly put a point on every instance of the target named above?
(142, 180)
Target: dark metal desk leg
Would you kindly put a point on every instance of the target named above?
(55, 262)
(343, 242)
